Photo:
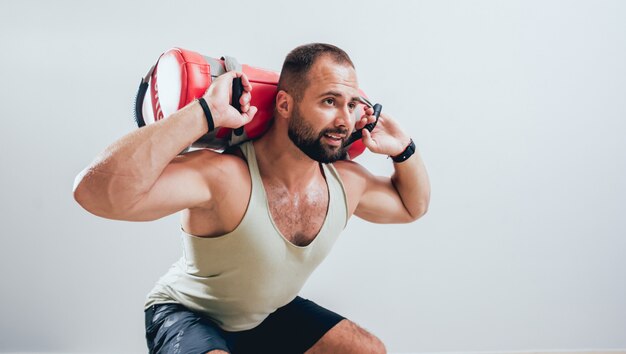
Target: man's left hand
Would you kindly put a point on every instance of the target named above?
(387, 137)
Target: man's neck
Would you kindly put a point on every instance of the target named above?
(281, 160)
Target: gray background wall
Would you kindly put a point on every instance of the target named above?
(517, 107)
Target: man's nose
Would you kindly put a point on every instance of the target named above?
(344, 117)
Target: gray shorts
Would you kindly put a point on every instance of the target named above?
(293, 328)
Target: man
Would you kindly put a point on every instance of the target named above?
(257, 220)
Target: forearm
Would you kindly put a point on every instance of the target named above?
(128, 168)
(410, 180)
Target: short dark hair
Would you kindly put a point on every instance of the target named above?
(294, 74)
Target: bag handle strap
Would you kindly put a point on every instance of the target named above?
(141, 93)
(232, 64)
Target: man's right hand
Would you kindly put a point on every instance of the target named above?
(219, 96)
(140, 177)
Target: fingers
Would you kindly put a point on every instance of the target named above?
(247, 86)
(368, 141)
(249, 114)
(369, 118)
(226, 80)
(245, 82)
(246, 97)
(366, 118)
(360, 123)
(244, 101)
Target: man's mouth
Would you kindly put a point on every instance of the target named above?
(335, 136)
(334, 139)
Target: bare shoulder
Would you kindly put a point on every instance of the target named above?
(230, 185)
(215, 165)
(354, 178)
(218, 173)
(351, 172)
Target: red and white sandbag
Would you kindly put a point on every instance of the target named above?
(181, 75)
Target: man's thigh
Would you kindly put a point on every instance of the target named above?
(347, 337)
(172, 328)
(293, 328)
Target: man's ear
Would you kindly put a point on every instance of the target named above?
(284, 104)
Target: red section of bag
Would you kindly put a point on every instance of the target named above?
(185, 75)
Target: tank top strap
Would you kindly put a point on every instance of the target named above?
(253, 166)
(337, 193)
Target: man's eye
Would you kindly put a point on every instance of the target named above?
(352, 105)
(329, 101)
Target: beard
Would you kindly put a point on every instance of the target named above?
(304, 137)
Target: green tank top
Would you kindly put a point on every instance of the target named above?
(238, 279)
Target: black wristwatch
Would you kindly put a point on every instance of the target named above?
(410, 150)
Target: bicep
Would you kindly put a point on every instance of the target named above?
(372, 198)
(182, 184)
(380, 202)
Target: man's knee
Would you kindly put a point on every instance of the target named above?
(348, 337)
(217, 351)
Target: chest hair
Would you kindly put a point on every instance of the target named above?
(299, 216)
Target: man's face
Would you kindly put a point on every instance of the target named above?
(305, 137)
(322, 121)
